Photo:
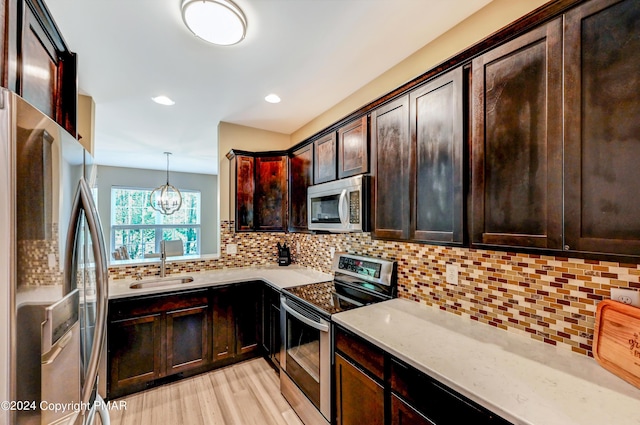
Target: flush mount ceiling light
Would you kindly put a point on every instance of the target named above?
(163, 100)
(216, 21)
(272, 98)
(166, 199)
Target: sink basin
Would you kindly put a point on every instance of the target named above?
(162, 281)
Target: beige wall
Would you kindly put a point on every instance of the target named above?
(233, 136)
(478, 26)
(86, 119)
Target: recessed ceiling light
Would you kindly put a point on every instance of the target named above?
(216, 21)
(163, 100)
(272, 98)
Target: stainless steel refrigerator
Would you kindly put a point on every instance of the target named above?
(53, 273)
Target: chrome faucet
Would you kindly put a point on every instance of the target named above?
(163, 258)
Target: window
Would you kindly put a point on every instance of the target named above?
(139, 228)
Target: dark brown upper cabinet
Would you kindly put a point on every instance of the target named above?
(517, 142)
(437, 147)
(325, 165)
(242, 181)
(602, 129)
(300, 178)
(37, 63)
(353, 147)
(271, 193)
(258, 187)
(390, 168)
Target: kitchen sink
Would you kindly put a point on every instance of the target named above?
(163, 281)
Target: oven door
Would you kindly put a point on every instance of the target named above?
(305, 356)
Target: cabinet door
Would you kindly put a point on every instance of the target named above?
(271, 193)
(403, 414)
(246, 311)
(602, 130)
(271, 323)
(187, 339)
(390, 166)
(300, 178)
(353, 147)
(39, 73)
(135, 348)
(359, 399)
(437, 160)
(245, 189)
(324, 166)
(223, 326)
(517, 141)
(34, 159)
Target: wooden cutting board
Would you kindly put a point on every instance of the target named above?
(616, 342)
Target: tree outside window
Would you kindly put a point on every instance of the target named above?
(139, 228)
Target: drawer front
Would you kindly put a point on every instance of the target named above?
(142, 306)
(436, 401)
(367, 355)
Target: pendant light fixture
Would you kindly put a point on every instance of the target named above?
(215, 21)
(166, 199)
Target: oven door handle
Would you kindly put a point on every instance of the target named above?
(322, 327)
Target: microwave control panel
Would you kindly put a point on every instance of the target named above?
(354, 207)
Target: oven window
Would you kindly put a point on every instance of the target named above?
(325, 209)
(303, 358)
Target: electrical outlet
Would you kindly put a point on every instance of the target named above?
(452, 274)
(332, 251)
(51, 260)
(626, 296)
(232, 249)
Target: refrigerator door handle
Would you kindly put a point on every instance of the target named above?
(84, 201)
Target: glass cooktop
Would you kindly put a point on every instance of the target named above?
(321, 296)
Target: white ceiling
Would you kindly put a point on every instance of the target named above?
(312, 53)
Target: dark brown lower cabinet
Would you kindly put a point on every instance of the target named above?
(403, 414)
(187, 339)
(359, 398)
(166, 336)
(246, 312)
(236, 321)
(430, 400)
(135, 348)
(155, 337)
(371, 385)
(223, 328)
(271, 339)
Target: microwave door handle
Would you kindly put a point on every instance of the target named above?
(341, 204)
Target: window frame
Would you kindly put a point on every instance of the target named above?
(157, 228)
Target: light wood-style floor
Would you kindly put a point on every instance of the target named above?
(244, 394)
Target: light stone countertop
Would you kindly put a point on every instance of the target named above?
(40, 295)
(279, 277)
(518, 378)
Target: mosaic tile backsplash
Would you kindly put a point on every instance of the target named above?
(551, 299)
(33, 261)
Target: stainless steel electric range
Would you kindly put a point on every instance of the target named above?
(305, 314)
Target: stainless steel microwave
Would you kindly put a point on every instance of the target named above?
(339, 206)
